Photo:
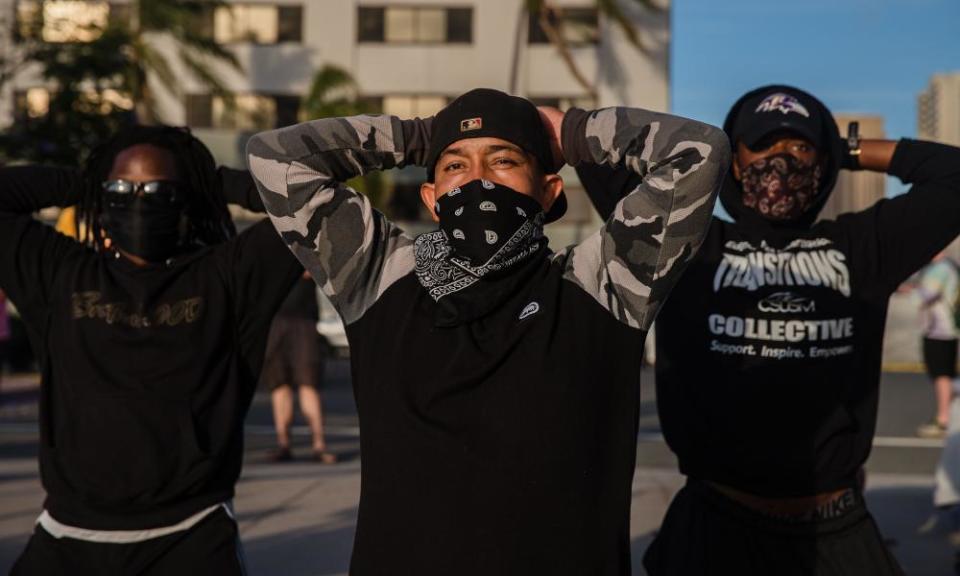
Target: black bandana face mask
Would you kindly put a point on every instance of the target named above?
(480, 219)
(780, 187)
(484, 228)
(151, 228)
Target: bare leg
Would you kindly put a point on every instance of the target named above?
(944, 391)
(282, 400)
(312, 408)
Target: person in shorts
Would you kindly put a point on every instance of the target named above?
(938, 290)
(294, 359)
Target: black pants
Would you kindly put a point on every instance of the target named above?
(210, 548)
(705, 533)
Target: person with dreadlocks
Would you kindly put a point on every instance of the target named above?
(150, 332)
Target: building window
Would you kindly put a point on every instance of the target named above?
(250, 112)
(61, 21)
(414, 25)
(460, 25)
(581, 26)
(290, 24)
(256, 23)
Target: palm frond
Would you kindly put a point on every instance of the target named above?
(208, 47)
(203, 73)
(155, 62)
(554, 32)
(612, 10)
(329, 80)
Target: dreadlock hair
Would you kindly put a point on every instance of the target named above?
(207, 213)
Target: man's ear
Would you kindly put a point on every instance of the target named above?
(552, 188)
(428, 196)
(735, 169)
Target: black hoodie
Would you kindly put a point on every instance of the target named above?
(769, 347)
(148, 371)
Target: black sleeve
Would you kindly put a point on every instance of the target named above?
(263, 272)
(32, 252)
(239, 188)
(606, 186)
(896, 237)
(416, 140)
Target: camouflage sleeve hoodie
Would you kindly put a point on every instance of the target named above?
(505, 444)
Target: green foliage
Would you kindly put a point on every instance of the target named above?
(97, 85)
(334, 94)
(86, 102)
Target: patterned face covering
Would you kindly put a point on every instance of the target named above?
(780, 187)
(484, 228)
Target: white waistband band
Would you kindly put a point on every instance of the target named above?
(60, 530)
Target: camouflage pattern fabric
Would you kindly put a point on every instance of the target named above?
(633, 261)
(352, 251)
(355, 254)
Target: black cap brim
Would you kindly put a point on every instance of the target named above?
(558, 209)
(751, 138)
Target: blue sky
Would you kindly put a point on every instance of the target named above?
(870, 56)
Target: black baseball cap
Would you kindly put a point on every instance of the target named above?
(779, 109)
(487, 113)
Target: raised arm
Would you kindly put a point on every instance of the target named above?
(32, 252)
(352, 251)
(896, 237)
(633, 261)
(239, 188)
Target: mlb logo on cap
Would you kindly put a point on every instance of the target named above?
(471, 124)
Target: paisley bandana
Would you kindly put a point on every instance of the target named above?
(485, 228)
(780, 187)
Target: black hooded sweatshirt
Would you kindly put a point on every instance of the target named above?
(769, 347)
(147, 372)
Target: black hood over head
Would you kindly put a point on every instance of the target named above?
(829, 143)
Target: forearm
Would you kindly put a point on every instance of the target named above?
(909, 229)
(642, 141)
(338, 149)
(657, 228)
(926, 163)
(334, 231)
(239, 188)
(27, 189)
(876, 155)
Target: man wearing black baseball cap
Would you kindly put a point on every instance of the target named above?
(769, 349)
(496, 381)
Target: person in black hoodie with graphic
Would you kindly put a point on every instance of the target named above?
(150, 334)
(768, 350)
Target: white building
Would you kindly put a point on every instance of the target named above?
(408, 58)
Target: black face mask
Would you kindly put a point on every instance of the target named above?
(485, 222)
(152, 227)
(780, 187)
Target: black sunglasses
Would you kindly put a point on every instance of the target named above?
(152, 188)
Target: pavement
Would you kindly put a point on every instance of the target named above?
(297, 519)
